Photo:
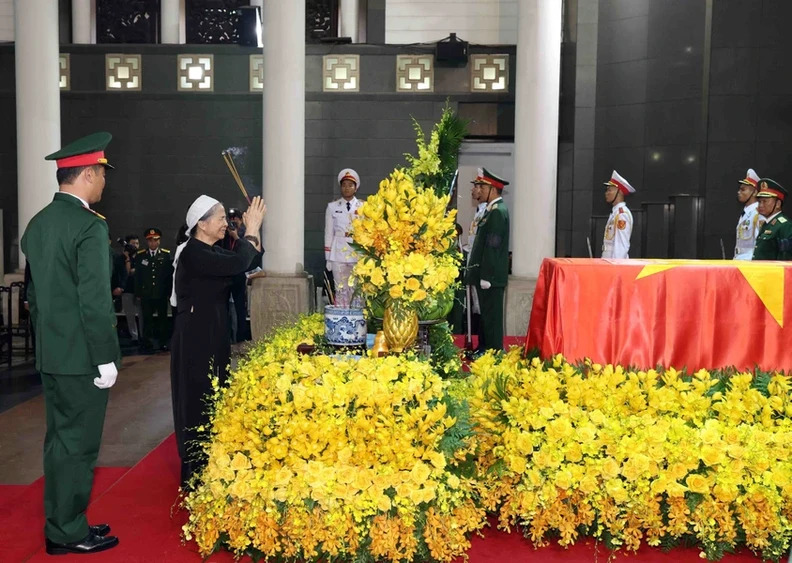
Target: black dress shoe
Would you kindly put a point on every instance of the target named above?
(99, 529)
(89, 544)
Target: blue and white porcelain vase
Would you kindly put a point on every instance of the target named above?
(345, 326)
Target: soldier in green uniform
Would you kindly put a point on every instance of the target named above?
(775, 238)
(76, 343)
(488, 265)
(153, 281)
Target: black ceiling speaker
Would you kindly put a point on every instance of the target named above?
(452, 52)
(249, 26)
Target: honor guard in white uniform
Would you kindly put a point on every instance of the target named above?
(339, 256)
(750, 224)
(481, 209)
(616, 242)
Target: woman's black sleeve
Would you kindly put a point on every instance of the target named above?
(214, 261)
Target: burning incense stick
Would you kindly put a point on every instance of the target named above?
(229, 160)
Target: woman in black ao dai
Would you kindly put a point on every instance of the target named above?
(200, 345)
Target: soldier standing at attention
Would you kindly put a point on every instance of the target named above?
(153, 279)
(76, 342)
(479, 194)
(340, 258)
(775, 240)
(618, 230)
(750, 224)
(488, 265)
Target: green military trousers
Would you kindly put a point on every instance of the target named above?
(75, 418)
(491, 304)
(155, 329)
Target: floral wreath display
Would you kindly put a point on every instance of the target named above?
(314, 458)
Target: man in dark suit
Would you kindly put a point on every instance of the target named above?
(76, 343)
(488, 265)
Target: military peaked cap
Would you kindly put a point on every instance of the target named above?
(87, 151)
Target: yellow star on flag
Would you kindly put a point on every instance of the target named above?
(765, 278)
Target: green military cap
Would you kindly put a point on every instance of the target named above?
(87, 151)
(153, 233)
(484, 176)
(771, 188)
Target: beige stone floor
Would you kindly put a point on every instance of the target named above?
(139, 417)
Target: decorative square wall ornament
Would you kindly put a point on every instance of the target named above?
(196, 73)
(256, 73)
(414, 73)
(489, 73)
(64, 68)
(123, 73)
(341, 73)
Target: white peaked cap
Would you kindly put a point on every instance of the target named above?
(621, 183)
(349, 174)
(751, 178)
(198, 209)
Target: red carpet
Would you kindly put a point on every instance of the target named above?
(22, 513)
(139, 506)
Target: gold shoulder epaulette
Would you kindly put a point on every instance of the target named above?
(141, 251)
(165, 250)
(102, 217)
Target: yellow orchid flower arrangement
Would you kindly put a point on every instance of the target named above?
(317, 458)
(630, 456)
(406, 239)
(314, 458)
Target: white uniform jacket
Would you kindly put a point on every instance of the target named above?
(616, 242)
(338, 227)
(748, 228)
(481, 209)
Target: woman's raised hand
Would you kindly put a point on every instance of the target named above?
(253, 217)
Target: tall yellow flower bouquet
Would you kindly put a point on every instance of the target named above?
(406, 239)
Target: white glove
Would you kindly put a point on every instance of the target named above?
(329, 266)
(107, 376)
(485, 284)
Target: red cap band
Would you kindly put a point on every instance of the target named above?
(622, 188)
(87, 159)
(490, 181)
(772, 192)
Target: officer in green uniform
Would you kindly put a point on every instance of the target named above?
(488, 265)
(153, 280)
(775, 238)
(76, 343)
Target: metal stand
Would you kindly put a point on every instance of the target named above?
(422, 345)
